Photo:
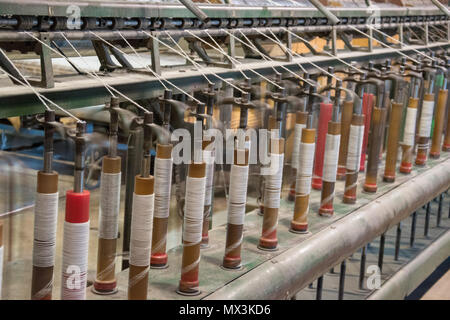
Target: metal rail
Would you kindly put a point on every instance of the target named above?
(79, 91)
(295, 268)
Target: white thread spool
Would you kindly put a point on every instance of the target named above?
(163, 180)
(426, 119)
(305, 168)
(75, 260)
(193, 215)
(141, 229)
(355, 142)
(273, 184)
(330, 161)
(237, 194)
(208, 158)
(109, 205)
(297, 141)
(409, 134)
(45, 222)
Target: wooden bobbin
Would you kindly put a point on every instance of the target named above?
(189, 282)
(346, 119)
(232, 258)
(351, 177)
(300, 118)
(159, 257)
(435, 151)
(392, 142)
(446, 144)
(105, 281)
(407, 150)
(47, 183)
(422, 143)
(299, 223)
(368, 103)
(268, 239)
(327, 195)
(139, 274)
(370, 184)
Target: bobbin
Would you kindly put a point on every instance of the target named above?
(439, 118)
(192, 229)
(299, 223)
(409, 131)
(76, 228)
(45, 221)
(142, 221)
(110, 181)
(426, 116)
(268, 239)
(378, 117)
(331, 155)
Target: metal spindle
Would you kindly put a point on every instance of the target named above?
(381, 252)
(342, 280)
(397, 241)
(427, 220)
(319, 288)
(413, 229)
(362, 268)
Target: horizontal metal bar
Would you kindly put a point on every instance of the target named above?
(14, 35)
(295, 268)
(409, 277)
(159, 10)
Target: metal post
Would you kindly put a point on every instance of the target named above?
(334, 41)
(289, 46)
(231, 51)
(397, 241)
(154, 49)
(439, 213)
(46, 62)
(342, 280)
(381, 252)
(319, 288)
(413, 229)
(427, 220)
(362, 268)
(370, 39)
(427, 37)
(400, 35)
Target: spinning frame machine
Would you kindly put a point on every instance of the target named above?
(380, 99)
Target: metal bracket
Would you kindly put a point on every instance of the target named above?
(153, 45)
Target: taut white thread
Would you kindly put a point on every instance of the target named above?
(141, 229)
(163, 181)
(45, 222)
(355, 142)
(193, 216)
(109, 205)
